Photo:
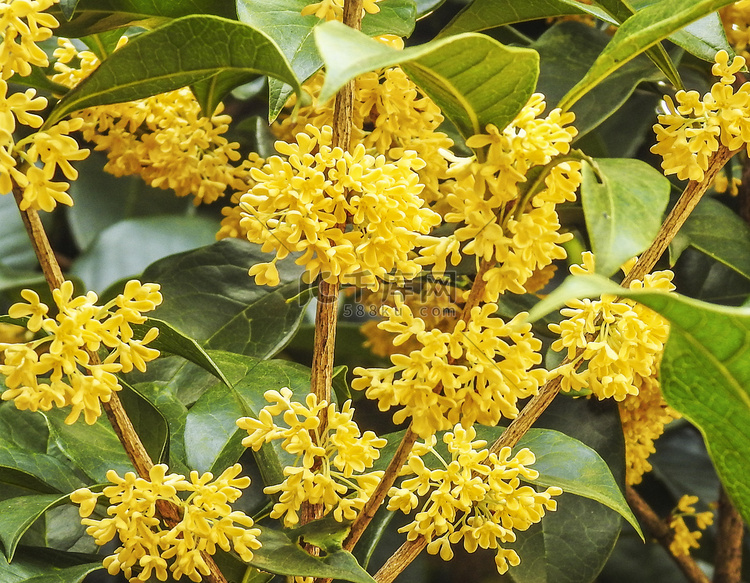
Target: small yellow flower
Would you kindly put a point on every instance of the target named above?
(334, 9)
(23, 23)
(333, 463)
(683, 539)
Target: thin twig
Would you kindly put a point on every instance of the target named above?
(660, 530)
(731, 529)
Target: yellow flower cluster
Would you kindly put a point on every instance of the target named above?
(333, 461)
(690, 131)
(475, 373)
(301, 203)
(683, 539)
(499, 220)
(22, 25)
(643, 418)
(628, 339)
(207, 522)
(334, 9)
(164, 138)
(736, 21)
(390, 116)
(475, 496)
(42, 153)
(77, 332)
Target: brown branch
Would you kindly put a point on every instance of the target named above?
(401, 559)
(646, 262)
(116, 414)
(664, 535)
(731, 529)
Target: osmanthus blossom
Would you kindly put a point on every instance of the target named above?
(475, 372)
(473, 495)
(164, 138)
(691, 129)
(354, 217)
(683, 539)
(148, 546)
(331, 465)
(56, 369)
(23, 23)
(627, 343)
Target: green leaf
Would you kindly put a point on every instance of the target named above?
(74, 574)
(173, 341)
(212, 91)
(566, 52)
(24, 459)
(293, 33)
(148, 422)
(47, 566)
(572, 544)
(705, 371)
(146, 240)
(18, 514)
(638, 33)
(190, 49)
(281, 552)
(485, 14)
(212, 438)
(94, 16)
(243, 318)
(76, 441)
(426, 7)
(474, 79)
(17, 250)
(728, 244)
(623, 201)
(68, 7)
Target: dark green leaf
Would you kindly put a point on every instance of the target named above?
(425, 7)
(705, 371)
(208, 296)
(76, 440)
(190, 49)
(93, 16)
(43, 565)
(283, 554)
(474, 79)
(68, 7)
(148, 421)
(623, 205)
(18, 514)
(74, 574)
(638, 33)
(175, 342)
(566, 52)
(126, 248)
(484, 14)
(728, 244)
(17, 250)
(212, 91)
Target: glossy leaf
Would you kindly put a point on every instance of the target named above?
(212, 438)
(94, 16)
(705, 371)
(76, 440)
(485, 14)
(293, 33)
(572, 544)
(281, 552)
(426, 7)
(638, 33)
(728, 244)
(18, 514)
(566, 52)
(46, 566)
(68, 7)
(474, 79)
(623, 201)
(148, 422)
(172, 341)
(190, 49)
(208, 296)
(146, 240)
